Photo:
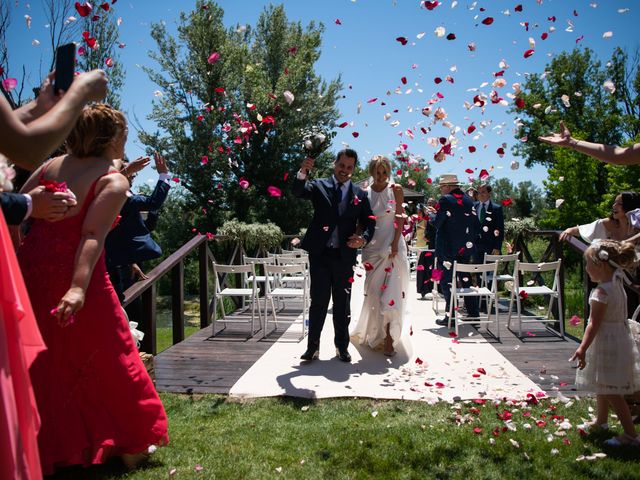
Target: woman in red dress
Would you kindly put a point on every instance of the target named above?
(94, 395)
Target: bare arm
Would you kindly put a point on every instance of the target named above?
(605, 153)
(100, 216)
(596, 317)
(571, 231)
(28, 144)
(399, 219)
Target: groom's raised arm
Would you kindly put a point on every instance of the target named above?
(301, 187)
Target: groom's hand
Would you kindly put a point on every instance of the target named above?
(307, 165)
(355, 241)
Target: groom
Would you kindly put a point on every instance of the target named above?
(338, 207)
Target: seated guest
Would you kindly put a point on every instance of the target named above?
(130, 242)
(94, 395)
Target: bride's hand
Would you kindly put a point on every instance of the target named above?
(394, 251)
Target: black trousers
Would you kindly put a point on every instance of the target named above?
(464, 280)
(424, 284)
(330, 276)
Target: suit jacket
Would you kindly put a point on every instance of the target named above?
(130, 241)
(457, 226)
(326, 218)
(14, 207)
(493, 221)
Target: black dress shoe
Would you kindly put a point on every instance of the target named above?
(443, 322)
(311, 354)
(343, 355)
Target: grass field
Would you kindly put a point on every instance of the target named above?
(213, 438)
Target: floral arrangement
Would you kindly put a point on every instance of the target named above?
(316, 140)
(7, 173)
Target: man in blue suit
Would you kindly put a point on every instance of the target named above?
(339, 207)
(457, 231)
(130, 242)
(491, 218)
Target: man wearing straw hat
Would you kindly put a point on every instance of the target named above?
(457, 231)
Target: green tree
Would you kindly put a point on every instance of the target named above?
(229, 129)
(412, 171)
(572, 89)
(103, 29)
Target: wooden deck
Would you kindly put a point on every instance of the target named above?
(212, 364)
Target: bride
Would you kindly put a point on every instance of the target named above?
(385, 261)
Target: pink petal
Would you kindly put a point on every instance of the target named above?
(213, 58)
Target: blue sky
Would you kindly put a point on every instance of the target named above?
(372, 63)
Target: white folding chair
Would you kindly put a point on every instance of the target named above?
(458, 293)
(280, 292)
(503, 261)
(246, 290)
(259, 279)
(523, 286)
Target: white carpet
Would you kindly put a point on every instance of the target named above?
(451, 369)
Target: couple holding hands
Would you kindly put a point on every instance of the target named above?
(346, 218)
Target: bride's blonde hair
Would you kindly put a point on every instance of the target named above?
(379, 160)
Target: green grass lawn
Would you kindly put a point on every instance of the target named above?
(213, 438)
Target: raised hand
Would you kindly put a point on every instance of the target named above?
(161, 165)
(562, 138)
(307, 165)
(92, 85)
(136, 165)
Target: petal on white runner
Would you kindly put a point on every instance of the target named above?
(449, 371)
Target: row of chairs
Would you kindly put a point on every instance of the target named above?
(497, 269)
(283, 276)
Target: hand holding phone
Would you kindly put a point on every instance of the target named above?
(65, 67)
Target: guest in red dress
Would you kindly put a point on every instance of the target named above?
(94, 395)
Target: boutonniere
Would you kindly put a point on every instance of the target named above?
(356, 200)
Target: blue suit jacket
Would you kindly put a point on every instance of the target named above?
(14, 207)
(493, 221)
(130, 241)
(326, 218)
(457, 226)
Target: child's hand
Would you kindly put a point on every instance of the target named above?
(579, 356)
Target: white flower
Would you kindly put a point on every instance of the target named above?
(603, 254)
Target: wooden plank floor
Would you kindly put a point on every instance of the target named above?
(212, 364)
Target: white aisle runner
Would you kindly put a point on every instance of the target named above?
(437, 367)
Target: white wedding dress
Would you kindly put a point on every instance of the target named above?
(387, 283)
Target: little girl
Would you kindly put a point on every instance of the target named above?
(608, 359)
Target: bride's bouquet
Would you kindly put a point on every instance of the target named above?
(315, 141)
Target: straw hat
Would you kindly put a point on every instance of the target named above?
(448, 179)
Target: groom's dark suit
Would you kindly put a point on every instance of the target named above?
(332, 265)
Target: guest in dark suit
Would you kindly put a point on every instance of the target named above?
(339, 207)
(130, 243)
(457, 231)
(424, 284)
(491, 218)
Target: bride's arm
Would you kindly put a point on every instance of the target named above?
(399, 219)
(100, 216)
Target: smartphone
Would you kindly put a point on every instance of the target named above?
(65, 66)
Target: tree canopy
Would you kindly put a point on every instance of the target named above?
(597, 103)
(231, 109)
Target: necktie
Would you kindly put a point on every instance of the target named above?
(337, 195)
(483, 213)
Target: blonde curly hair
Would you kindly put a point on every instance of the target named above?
(620, 254)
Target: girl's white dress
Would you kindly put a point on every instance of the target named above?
(613, 362)
(387, 283)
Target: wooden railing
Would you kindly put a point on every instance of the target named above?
(147, 289)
